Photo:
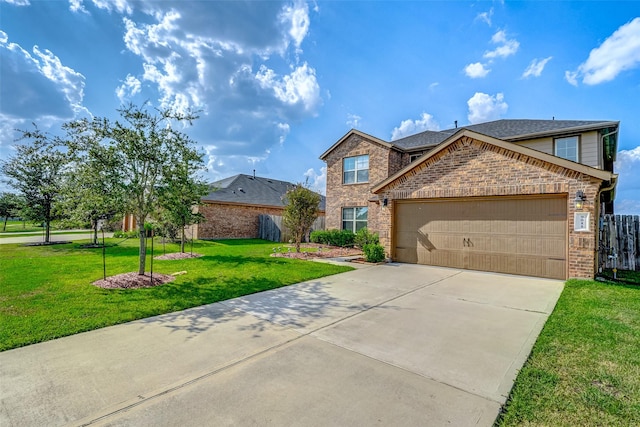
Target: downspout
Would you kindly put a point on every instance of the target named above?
(612, 185)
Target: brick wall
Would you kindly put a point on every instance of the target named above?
(383, 161)
(225, 221)
(470, 167)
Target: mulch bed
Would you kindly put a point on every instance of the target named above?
(321, 251)
(133, 281)
(46, 244)
(178, 255)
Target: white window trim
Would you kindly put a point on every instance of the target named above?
(355, 170)
(555, 147)
(354, 220)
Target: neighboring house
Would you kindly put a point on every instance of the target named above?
(233, 207)
(511, 196)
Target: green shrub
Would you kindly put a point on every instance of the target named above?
(373, 252)
(363, 237)
(333, 237)
(125, 234)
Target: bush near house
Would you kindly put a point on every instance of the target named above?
(373, 252)
(364, 237)
(342, 238)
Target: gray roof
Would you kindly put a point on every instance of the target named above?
(249, 190)
(506, 129)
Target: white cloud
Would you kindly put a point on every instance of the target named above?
(507, 47)
(434, 85)
(37, 84)
(353, 121)
(299, 87)
(129, 88)
(17, 2)
(476, 70)
(120, 6)
(411, 127)
(571, 77)
(619, 52)
(536, 67)
(484, 107)
(317, 181)
(627, 160)
(238, 62)
(485, 17)
(297, 16)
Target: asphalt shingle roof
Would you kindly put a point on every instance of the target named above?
(249, 190)
(506, 129)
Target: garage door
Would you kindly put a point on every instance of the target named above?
(505, 235)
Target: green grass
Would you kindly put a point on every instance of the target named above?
(38, 233)
(584, 369)
(19, 226)
(46, 292)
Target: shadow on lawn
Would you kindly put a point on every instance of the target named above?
(295, 306)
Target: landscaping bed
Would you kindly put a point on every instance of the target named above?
(314, 250)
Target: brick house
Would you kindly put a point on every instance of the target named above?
(511, 196)
(232, 208)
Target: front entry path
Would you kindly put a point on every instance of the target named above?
(394, 344)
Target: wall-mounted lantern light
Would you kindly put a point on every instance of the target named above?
(385, 202)
(580, 199)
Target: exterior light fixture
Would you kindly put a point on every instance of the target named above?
(580, 199)
(385, 202)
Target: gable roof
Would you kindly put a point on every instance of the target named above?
(359, 133)
(248, 190)
(508, 130)
(568, 164)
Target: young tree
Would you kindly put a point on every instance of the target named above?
(10, 205)
(182, 192)
(37, 172)
(144, 145)
(92, 191)
(300, 211)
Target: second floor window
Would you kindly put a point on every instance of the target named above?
(355, 169)
(567, 148)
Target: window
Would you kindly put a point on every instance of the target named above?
(567, 148)
(354, 218)
(414, 157)
(355, 169)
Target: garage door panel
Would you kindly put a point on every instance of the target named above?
(519, 236)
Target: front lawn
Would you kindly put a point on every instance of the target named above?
(46, 292)
(584, 369)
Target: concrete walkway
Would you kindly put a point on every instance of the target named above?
(386, 345)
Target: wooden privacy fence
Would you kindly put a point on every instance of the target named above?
(272, 228)
(620, 242)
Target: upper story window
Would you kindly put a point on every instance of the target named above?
(414, 157)
(567, 148)
(355, 169)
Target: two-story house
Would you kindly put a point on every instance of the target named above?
(510, 196)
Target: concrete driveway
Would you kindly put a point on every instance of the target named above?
(392, 344)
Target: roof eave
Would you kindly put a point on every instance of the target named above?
(578, 167)
(379, 141)
(594, 126)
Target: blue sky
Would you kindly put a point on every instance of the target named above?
(279, 82)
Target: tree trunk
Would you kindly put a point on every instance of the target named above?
(47, 224)
(182, 238)
(143, 247)
(298, 239)
(95, 232)
(5, 223)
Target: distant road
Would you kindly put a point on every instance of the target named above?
(33, 238)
